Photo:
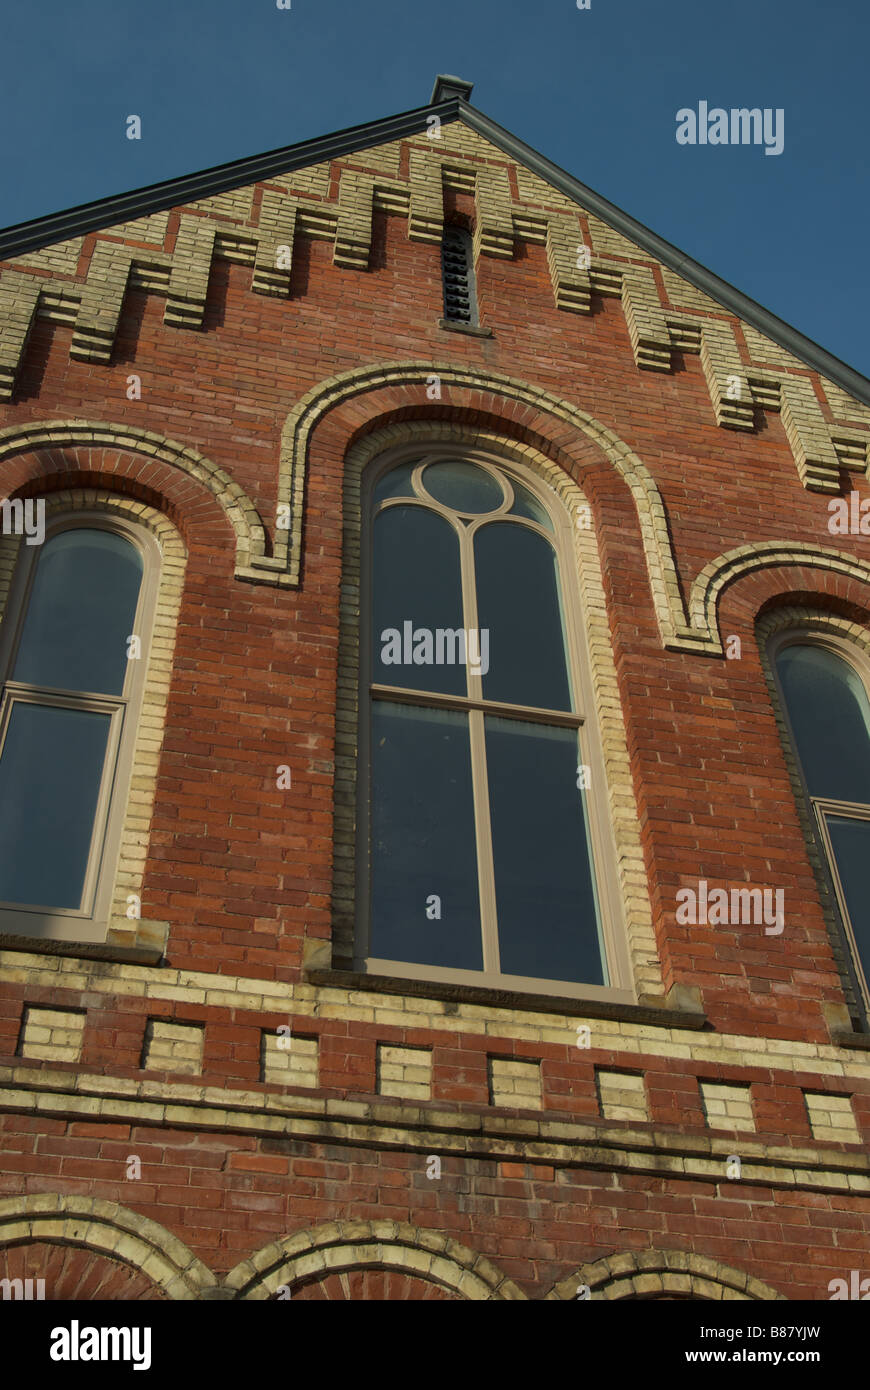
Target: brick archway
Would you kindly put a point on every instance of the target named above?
(353, 1247)
(113, 1234)
(237, 508)
(661, 1274)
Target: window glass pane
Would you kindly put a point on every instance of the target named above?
(463, 486)
(851, 844)
(527, 504)
(547, 919)
(81, 612)
(395, 483)
(50, 775)
(518, 605)
(829, 713)
(422, 839)
(417, 595)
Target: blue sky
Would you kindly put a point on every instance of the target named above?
(596, 91)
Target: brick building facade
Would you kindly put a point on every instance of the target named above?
(214, 1084)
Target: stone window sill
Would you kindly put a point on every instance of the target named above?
(142, 944)
(454, 326)
(685, 1014)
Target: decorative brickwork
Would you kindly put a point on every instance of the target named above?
(404, 1072)
(515, 1084)
(660, 1274)
(831, 1118)
(622, 1095)
(344, 1245)
(460, 160)
(172, 1047)
(289, 1060)
(727, 1107)
(51, 1035)
(421, 1139)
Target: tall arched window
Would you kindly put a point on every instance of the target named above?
(74, 647)
(483, 838)
(828, 713)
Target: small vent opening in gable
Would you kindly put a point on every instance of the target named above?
(457, 268)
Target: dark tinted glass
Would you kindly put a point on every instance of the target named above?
(547, 919)
(463, 486)
(518, 603)
(829, 714)
(395, 483)
(422, 839)
(417, 591)
(81, 611)
(527, 504)
(50, 775)
(851, 843)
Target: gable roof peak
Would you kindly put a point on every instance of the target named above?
(448, 88)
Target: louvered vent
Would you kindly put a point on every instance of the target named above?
(458, 274)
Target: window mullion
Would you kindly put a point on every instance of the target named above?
(480, 783)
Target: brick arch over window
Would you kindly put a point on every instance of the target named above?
(342, 1246)
(395, 389)
(662, 1274)
(747, 560)
(54, 435)
(109, 1230)
(139, 935)
(637, 913)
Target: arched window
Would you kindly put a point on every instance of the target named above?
(73, 650)
(483, 835)
(828, 714)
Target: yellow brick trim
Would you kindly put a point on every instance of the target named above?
(133, 848)
(354, 1006)
(658, 327)
(337, 1246)
(516, 1084)
(238, 508)
(426, 1129)
(333, 391)
(631, 869)
(832, 1118)
(109, 1229)
(744, 559)
(622, 1095)
(636, 1273)
(51, 1035)
(727, 1106)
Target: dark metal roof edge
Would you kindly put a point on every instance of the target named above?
(732, 299)
(103, 213)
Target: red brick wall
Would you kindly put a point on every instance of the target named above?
(243, 871)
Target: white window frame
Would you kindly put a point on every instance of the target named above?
(617, 963)
(89, 923)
